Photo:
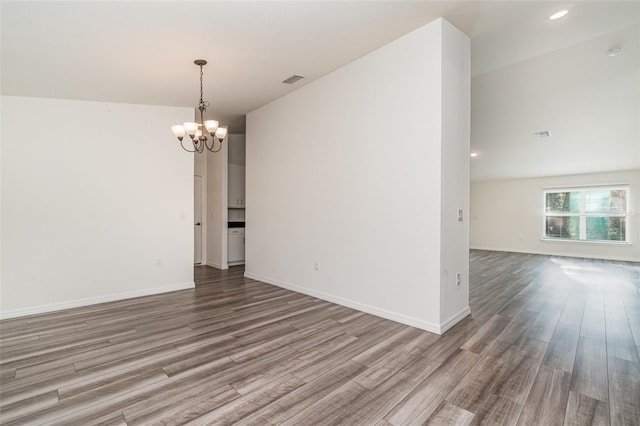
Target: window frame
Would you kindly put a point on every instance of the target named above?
(582, 215)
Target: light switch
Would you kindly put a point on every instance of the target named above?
(459, 215)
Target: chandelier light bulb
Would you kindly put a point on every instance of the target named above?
(191, 128)
(178, 131)
(211, 126)
(221, 133)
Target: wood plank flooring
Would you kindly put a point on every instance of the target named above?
(550, 341)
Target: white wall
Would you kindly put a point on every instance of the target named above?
(507, 216)
(200, 169)
(217, 207)
(237, 149)
(94, 197)
(454, 242)
(345, 173)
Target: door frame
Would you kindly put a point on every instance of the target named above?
(203, 260)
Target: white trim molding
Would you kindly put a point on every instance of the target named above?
(373, 310)
(444, 326)
(546, 253)
(34, 310)
(215, 265)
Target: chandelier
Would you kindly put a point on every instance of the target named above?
(198, 131)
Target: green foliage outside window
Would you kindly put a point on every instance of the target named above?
(586, 214)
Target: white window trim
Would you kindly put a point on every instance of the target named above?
(583, 213)
(587, 242)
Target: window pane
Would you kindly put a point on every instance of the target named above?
(567, 227)
(563, 202)
(611, 201)
(606, 228)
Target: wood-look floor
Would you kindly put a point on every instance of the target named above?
(550, 341)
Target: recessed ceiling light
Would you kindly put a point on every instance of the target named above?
(542, 135)
(558, 14)
(474, 154)
(615, 51)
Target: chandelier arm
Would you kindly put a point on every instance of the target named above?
(213, 144)
(201, 147)
(188, 150)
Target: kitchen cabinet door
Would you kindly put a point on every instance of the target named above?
(235, 247)
(236, 186)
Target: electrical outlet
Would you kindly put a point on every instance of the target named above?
(458, 278)
(459, 215)
(316, 265)
(159, 263)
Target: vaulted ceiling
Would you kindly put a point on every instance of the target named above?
(530, 73)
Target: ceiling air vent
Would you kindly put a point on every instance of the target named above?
(542, 135)
(293, 79)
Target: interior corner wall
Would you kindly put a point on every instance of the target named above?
(456, 129)
(507, 215)
(344, 184)
(97, 203)
(200, 169)
(217, 191)
(237, 149)
(1, 211)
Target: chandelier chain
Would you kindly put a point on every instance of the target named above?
(201, 95)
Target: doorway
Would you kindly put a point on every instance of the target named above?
(197, 220)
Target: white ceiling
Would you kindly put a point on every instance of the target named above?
(590, 103)
(143, 52)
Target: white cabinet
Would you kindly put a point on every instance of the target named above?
(236, 186)
(235, 246)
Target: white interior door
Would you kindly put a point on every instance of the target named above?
(197, 219)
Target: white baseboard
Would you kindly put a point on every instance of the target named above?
(563, 254)
(373, 310)
(455, 319)
(215, 265)
(34, 310)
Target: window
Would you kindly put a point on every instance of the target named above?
(587, 214)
